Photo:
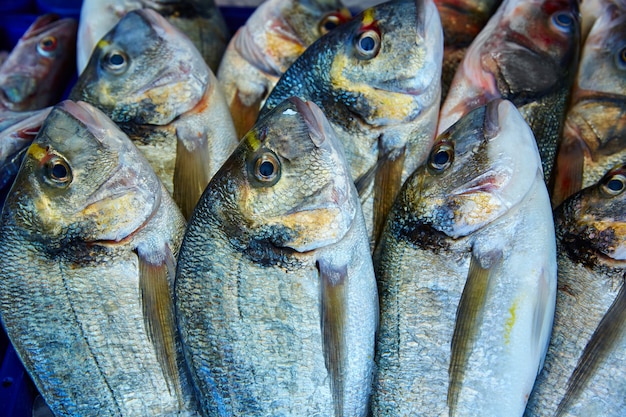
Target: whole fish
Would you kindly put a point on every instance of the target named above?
(378, 80)
(150, 79)
(88, 242)
(584, 370)
(528, 54)
(39, 68)
(461, 20)
(594, 135)
(276, 297)
(200, 20)
(467, 275)
(261, 51)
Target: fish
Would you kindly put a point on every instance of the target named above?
(527, 54)
(461, 22)
(583, 373)
(88, 242)
(14, 142)
(594, 134)
(377, 78)
(39, 68)
(275, 291)
(150, 80)
(275, 34)
(200, 20)
(466, 268)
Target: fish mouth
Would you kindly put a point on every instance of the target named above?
(88, 115)
(169, 77)
(18, 87)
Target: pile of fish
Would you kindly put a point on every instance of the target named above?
(417, 210)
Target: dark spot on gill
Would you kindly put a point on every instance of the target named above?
(420, 235)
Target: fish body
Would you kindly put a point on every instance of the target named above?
(200, 20)
(88, 237)
(276, 33)
(467, 275)
(378, 80)
(527, 54)
(594, 135)
(461, 21)
(150, 80)
(39, 68)
(584, 373)
(275, 291)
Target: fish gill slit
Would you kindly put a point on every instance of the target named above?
(82, 332)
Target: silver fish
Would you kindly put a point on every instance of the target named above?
(467, 274)
(88, 242)
(584, 372)
(275, 291)
(149, 79)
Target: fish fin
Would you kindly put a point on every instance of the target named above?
(543, 318)
(387, 183)
(568, 172)
(468, 317)
(602, 341)
(333, 317)
(158, 313)
(191, 171)
(244, 116)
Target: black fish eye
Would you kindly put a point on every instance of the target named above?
(615, 184)
(47, 46)
(563, 20)
(368, 44)
(115, 62)
(621, 58)
(267, 169)
(328, 23)
(58, 171)
(441, 157)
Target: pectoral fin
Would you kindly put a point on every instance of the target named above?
(468, 319)
(387, 184)
(602, 341)
(568, 172)
(333, 318)
(244, 116)
(158, 313)
(191, 172)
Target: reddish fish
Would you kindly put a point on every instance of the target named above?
(38, 69)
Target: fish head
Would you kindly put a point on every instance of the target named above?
(37, 70)
(287, 182)
(311, 19)
(143, 71)
(592, 222)
(533, 48)
(477, 170)
(388, 66)
(82, 179)
(602, 65)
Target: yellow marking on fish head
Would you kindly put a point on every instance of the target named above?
(254, 140)
(510, 322)
(383, 104)
(103, 43)
(37, 152)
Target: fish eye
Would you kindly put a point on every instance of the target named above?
(57, 171)
(115, 62)
(441, 157)
(328, 23)
(367, 44)
(563, 21)
(267, 169)
(615, 184)
(47, 46)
